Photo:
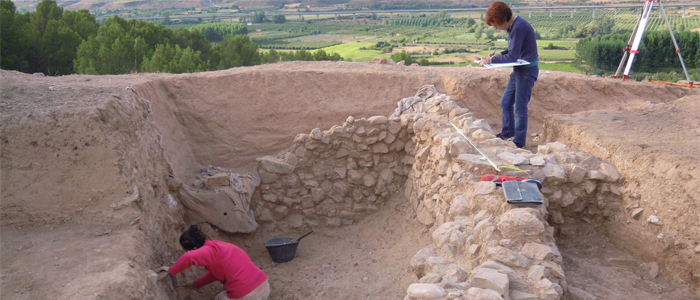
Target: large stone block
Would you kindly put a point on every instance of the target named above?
(541, 252)
(483, 294)
(490, 279)
(217, 180)
(520, 222)
(442, 234)
(425, 291)
(275, 165)
(577, 174)
(508, 257)
(513, 159)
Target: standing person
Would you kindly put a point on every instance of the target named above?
(521, 45)
(225, 263)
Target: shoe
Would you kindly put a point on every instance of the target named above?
(505, 138)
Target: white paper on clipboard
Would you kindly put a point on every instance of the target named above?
(519, 62)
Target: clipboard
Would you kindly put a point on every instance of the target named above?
(519, 62)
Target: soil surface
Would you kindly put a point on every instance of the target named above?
(49, 255)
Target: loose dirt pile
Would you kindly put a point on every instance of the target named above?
(85, 163)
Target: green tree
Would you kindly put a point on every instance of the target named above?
(235, 51)
(399, 56)
(258, 17)
(59, 46)
(423, 62)
(15, 39)
(278, 19)
(82, 22)
(46, 10)
(173, 59)
(110, 51)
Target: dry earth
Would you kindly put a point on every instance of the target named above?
(86, 211)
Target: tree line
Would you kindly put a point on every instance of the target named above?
(57, 42)
(656, 52)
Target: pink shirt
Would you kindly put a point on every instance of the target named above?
(225, 263)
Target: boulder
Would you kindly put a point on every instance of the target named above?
(483, 294)
(418, 261)
(520, 222)
(217, 180)
(275, 165)
(491, 280)
(425, 291)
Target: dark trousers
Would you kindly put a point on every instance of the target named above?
(517, 95)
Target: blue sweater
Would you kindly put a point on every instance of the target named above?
(521, 43)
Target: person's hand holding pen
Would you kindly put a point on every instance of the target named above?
(487, 60)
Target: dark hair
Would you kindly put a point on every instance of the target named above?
(498, 13)
(192, 238)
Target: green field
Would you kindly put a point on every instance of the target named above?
(352, 52)
(559, 67)
(556, 55)
(464, 39)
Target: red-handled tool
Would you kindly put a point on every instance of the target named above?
(498, 179)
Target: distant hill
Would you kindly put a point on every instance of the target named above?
(248, 4)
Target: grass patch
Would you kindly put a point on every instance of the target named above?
(559, 67)
(556, 55)
(352, 52)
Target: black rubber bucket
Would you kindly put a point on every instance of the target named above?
(283, 249)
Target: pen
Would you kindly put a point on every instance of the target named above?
(494, 51)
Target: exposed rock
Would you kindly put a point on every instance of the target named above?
(436, 264)
(520, 222)
(442, 234)
(541, 252)
(590, 163)
(553, 173)
(653, 219)
(484, 188)
(431, 278)
(424, 216)
(491, 280)
(516, 281)
(636, 213)
(596, 175)
(460, 206)
(508, 257)
(275, 165)
(481, 135)
(377, 120)
(513, 159)
(652, 268)
(518, 295)
(610, 171)
(558, 146)
(537, 161)
(456, 274)
(483, 294)
(217, 180)
(537, 272)
(549, 290)
(418, 261)
(577, 174)
(425, 291)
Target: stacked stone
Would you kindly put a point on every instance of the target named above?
(485, 248)
(332, 177)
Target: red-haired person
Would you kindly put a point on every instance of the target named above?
(521, 45)
(225, 263)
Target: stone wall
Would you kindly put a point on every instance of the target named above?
(483, 247)
(333, 177)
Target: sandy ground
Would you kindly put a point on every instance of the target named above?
(202, 118)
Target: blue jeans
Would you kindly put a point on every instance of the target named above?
(518, 94)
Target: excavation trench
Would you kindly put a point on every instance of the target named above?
(370, 223)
